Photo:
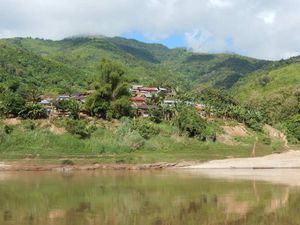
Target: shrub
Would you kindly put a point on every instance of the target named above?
(264, 80)
(156, 115)
(33, 111)
(191, 123)
(8, 129)
(293, 126)
(62, 105)
(74, 108)
(79, 128)
(145, 128)
(266, 140)
(121, 107)
(134, 132)
(11, 104)
(67, 162)
(134, 140)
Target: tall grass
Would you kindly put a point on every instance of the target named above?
(106, 145)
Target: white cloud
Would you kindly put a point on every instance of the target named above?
(221, 3)
(290, 54)
(267, 16)
(259, 28)
(204, 42)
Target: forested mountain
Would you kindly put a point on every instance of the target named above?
(274, 89)
(256, 92)
(147, 63)
(279, 77)
(72, 64)
(19, 66)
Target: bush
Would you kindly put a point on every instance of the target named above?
(121, 107)
(253, 124)
(11, 104)
(8, 129)
(156, 115)
(264, 80)
(79, 128)
(293, 126)
(133, 132)
(67, 162)
(191, 123)
(145, 128)
(266, 140)
(134, 140)
(33, 111)
(62, 105)
(72, 106)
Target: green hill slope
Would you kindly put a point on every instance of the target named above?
(21, 66)
(274, 90)
(282, 77)
(148, 63)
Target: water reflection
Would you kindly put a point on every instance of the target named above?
(159, 198)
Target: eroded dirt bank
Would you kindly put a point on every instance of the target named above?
(17, 166)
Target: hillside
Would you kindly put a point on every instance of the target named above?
(282, 77)
(109, 121)
(274, 90)
(147, 63)
(20, 66)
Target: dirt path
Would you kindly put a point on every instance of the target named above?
(289, 159)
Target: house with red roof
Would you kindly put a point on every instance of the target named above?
(138, 101)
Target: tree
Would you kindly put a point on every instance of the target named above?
(74, 108)
(11, 104)
(191, 123)
(33, 111)
(111, 98)
(293, 126)
(79, 128)
(31, 93)
(62, 105)
(145, 128)
(121, 107)
(156, 114)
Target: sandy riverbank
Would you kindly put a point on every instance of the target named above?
(286, 160)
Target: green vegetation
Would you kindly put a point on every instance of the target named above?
(227, 87)
(293, 128)
(190, 123)
(111, 99)
(275, 91)
(129, 141)
(32, 111)
(148, 63)
(20, 67)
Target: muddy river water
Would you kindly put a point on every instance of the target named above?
(166, 197)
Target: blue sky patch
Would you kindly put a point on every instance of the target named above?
(173, 41)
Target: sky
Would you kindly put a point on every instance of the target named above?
(265, 29)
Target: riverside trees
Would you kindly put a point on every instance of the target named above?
(111, 99)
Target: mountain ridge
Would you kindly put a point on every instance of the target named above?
(148, 63)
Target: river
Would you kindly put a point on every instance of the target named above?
(169, 197)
